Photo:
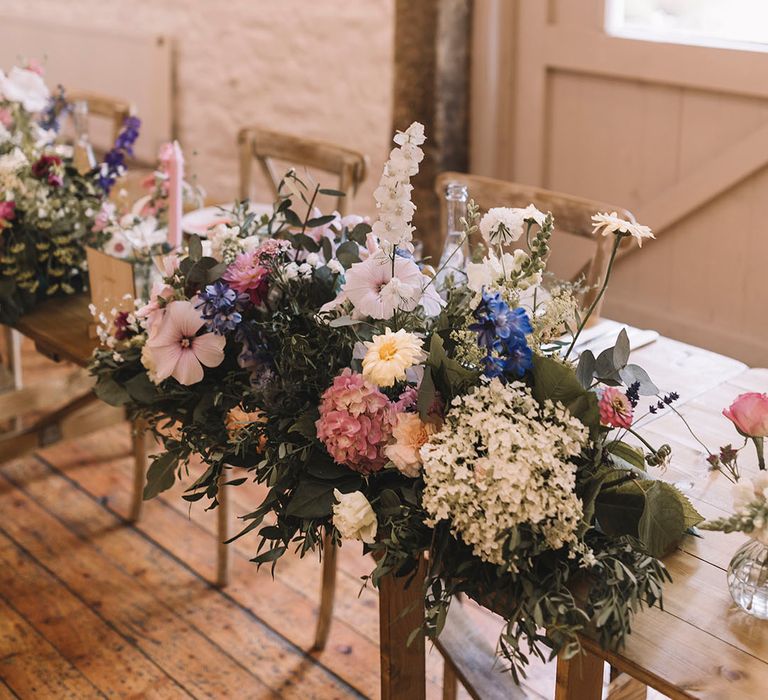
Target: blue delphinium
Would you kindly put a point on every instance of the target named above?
(222, 307)
(114, 161)
(502, 330)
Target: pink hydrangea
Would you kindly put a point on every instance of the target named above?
(248, 276)
(356, 422)
(615, 408)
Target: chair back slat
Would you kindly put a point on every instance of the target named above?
(267, 146)
(573, 215)
(112, 109)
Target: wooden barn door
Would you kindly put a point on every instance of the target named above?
(676, 133)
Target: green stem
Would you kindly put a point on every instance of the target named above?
(599, 296)
(760, 447)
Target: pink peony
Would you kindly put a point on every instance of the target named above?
(355, 423)
(248, 276)
(749, 413)
(176, 349)
(615, 408)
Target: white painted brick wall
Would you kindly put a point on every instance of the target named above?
(318, 68)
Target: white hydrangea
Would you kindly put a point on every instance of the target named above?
(501, 461)
(393, 195)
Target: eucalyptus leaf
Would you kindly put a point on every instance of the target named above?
(331, 192)
(585, 370)
(621, 350)
(320, 221)
(360, 233)
(348, 254)
(632, 374)
(195, 248)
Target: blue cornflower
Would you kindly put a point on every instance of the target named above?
(222, 307)
(495, 320)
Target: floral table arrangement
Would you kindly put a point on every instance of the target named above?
(316, 353)
(47, 207)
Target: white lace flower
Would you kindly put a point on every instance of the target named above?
(612, 223)
(500, 462)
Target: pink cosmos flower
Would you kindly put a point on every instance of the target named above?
(177, 351)
(248, 276)
(374, 291)
(152, 312)
(615, 408)
(355, 423)
(749, 413)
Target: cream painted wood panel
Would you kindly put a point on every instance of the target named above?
(677, 134)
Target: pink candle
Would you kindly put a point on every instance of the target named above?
(175, 180)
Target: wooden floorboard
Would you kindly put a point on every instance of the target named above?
(30, 667)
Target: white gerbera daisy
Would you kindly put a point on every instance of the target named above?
(612, 223)
(390, 355)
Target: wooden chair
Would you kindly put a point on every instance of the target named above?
(112, 109)
(266, 146)
(573, 215)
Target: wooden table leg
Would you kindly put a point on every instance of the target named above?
(401, 610)
(222, 549)
(139, 440)
(327, 593)
(579, 678)
(13, 351)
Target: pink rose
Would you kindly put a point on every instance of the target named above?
(410, 433)
(749, 413)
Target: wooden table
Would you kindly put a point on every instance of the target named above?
(701, 645)
(59, 329)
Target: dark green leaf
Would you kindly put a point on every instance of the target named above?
(332, 193)
(348, 254)
(141, 389)
(360, 233)
(663, 521)
(305, 425)
(628, 453)
(426, 394)
(320, 221)
(109, 391)
(160, 475)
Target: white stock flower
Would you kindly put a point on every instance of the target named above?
(390, 355)
(353, 516)
(313, 259)
(335, 266)
(305, 270)
(291, 271)
(25, 87)
(612, 223)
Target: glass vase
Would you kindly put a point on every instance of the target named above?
(748, 579)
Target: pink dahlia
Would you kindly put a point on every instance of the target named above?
(355, 423)
(615, 408)
(248, 276)
(7, 214)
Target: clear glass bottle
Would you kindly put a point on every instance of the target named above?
(83, 157)
(748, 579)
(456, 248)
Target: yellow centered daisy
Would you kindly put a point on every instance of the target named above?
(389, 356)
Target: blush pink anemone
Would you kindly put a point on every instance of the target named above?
(615, 408)
(177, 351)
(355, 423)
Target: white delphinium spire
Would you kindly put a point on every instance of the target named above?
(393, 195)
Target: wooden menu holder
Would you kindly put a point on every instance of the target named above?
(112, 284)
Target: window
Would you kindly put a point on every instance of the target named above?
(727, 23)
